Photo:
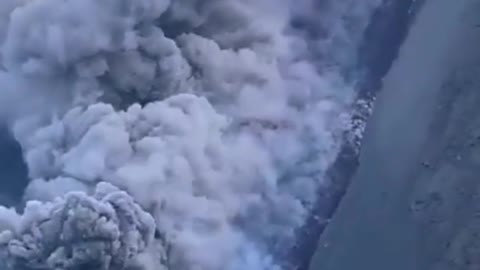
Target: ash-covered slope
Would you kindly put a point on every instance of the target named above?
(413, 203)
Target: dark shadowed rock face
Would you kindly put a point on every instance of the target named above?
(382, 39)
(13, 172)
(413, 203)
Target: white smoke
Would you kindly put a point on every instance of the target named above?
(210, 114)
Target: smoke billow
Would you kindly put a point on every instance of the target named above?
(103, 231)
(214, 116)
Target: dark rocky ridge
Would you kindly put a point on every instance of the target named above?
(381, 42)
(413, 202)
(13, 171)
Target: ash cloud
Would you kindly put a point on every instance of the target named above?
(215, 116)
(180, 160)
(104, 231)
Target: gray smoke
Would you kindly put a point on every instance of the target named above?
(104, 231)
(182, 161)
(215, 116)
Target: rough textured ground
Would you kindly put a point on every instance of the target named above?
(385, 33)
(415, 200)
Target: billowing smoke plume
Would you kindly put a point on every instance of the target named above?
(210, 114)
(104, 231)
(202, 177)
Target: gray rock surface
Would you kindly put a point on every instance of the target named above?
(414, 202)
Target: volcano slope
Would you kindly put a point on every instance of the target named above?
(414, 202)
